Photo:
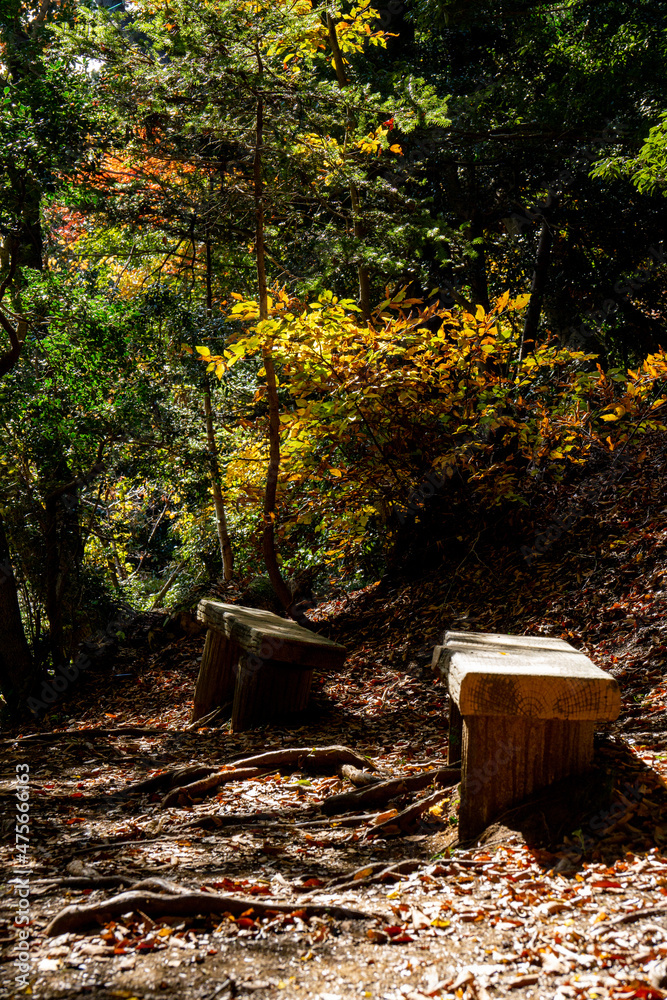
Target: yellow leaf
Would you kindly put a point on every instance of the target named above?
(204, 351)
(363, 873)
(396, 149)
(502, 301)
(609, 416)
(521, 301)
(381, 817)
(335, 472)
(480, 312)
(235, 295)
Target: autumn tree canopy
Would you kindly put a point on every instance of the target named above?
(275, 274)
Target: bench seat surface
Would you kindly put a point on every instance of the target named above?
(525, 676)
(270, 636)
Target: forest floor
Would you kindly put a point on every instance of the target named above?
(574, 905)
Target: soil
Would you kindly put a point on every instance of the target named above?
(566, 897)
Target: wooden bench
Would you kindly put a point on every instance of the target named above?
(522, 715)
(262, 662)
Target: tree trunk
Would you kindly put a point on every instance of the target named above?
(540, 278)
(226, 550)
(268, 533)
(18, 674)
(63, 555)
(478, 277)
(171, 580)
(63, 562)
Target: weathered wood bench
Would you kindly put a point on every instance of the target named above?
(522, 715)
(259, 661)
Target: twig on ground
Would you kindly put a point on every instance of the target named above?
(630, 918)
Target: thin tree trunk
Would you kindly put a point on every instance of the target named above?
(478, 278)
(63, 552)
(540, 278)
(168, 584)
(359, 231)
(268, 534)
(226, 550)
(18, 674)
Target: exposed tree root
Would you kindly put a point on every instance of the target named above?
(382, 792)
(376, 872)
(308, 759)
(302, 758)
(184, 903)
(176, 777)
(408, 820)
(213, 821)
(85, 882)
(186, 793)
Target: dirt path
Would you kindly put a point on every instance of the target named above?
(583, 916)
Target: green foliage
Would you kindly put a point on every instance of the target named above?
(130, 184)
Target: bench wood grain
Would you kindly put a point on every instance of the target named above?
(523, 711)
(259, 661)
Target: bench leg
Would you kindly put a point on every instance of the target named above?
(454, 746)
(217, 674)
(266, 689)
(507, 758)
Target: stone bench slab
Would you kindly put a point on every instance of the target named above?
(523, 711)
(270, 636)
(537, 678)
(261, 662)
